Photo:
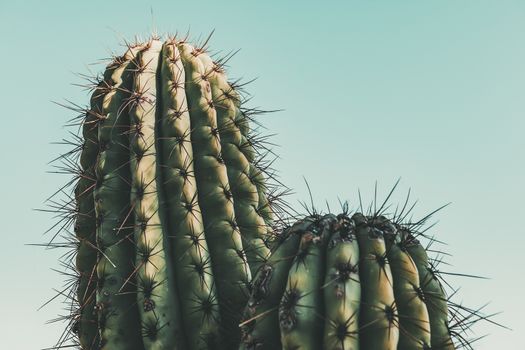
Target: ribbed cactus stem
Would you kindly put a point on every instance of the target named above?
(434, 295)
(379, 316)
(230, 267)
(262, 314)
(342, 289)
(157, 299)
(85, 225)
(238, 157)
(185, 228)
(414, 321)
(118, 322)
(302, 302)
(240, 123)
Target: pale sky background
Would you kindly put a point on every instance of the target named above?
(429, 91)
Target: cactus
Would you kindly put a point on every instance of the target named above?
(174, 210)
(171, 210)
(352, 282)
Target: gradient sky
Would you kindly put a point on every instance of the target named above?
(429, 91)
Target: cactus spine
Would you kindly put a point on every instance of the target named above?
(172, 210)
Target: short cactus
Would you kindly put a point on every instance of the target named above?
(171, 208)
(351, 282)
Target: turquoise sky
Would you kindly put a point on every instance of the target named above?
(429, 91)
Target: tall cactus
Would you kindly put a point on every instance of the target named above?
(172, 210)
(351, 282)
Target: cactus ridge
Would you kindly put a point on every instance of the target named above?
(355, 281)
(173, 203)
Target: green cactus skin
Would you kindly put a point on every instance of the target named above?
(414, 322)
(224, 241)
(160, 315)
(85, 226)
(302, 300)
(269, 288)
(433, 292)
(342, 290)
(172, 211)
(238, 157)
(191, 255)
(346, 283)
(379, 310)
(118, 323)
